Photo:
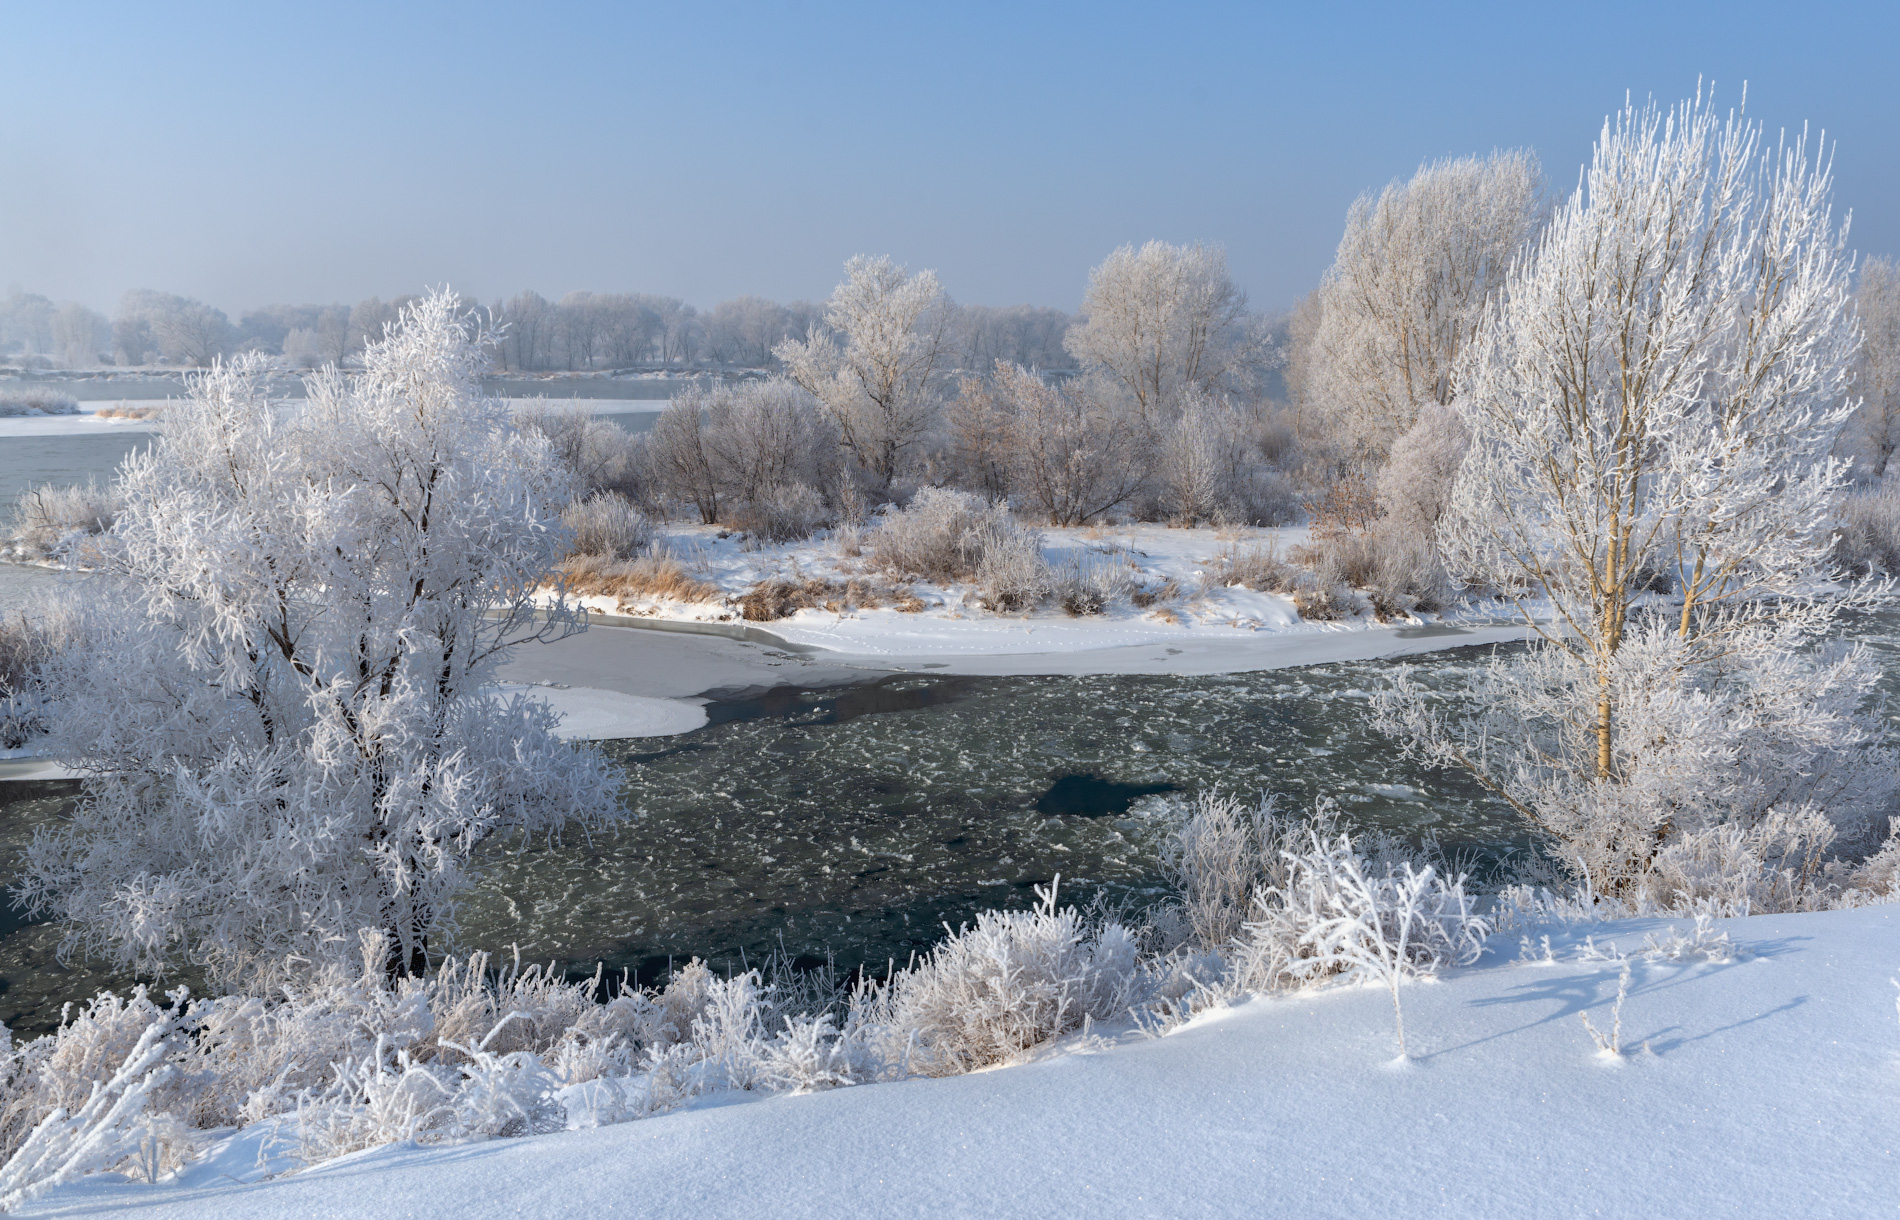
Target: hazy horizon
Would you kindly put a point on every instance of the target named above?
(247, 157)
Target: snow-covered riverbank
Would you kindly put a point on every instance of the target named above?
(1191, 619)
(1763, 1085)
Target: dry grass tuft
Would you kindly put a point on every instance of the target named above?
(124, 412)
(1166, 591)
(1259, 568)
(782, 596)
(659, 577)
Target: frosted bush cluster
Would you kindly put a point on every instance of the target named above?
(348, 1059)
(948, 535)
(606, 525)
(61, 523)
(36, 401)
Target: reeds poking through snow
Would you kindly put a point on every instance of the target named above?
(1610, 1045)
(650, 577)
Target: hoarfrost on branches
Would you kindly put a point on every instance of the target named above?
(1162, 321)
(1652, 403)
(1408, 288)
(281, 718)
(874, 365)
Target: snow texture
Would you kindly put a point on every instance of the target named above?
(1763, 1080)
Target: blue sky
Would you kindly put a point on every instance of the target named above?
(252, 153)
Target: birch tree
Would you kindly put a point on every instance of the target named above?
(282, 719)
(1652, 402)
(874, 365)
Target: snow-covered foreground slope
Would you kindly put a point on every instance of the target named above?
(1767, 1085)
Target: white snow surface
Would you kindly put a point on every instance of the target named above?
(588, 714)
(1767, 1085)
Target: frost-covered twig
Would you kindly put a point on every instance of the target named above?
(102, 1133)
(1612, 1046)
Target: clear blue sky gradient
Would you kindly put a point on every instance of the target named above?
(262, 152)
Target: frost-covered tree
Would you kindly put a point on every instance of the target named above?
(1163, 320)
(184, 331)
(80, 335)
(284, 719)
(1407, 288)
(874, 366)
(1415, 487)
(1874, 433)
(1070, 453)
(744, 330)
(1652, 403)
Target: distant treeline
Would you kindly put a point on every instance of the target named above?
(580, 331)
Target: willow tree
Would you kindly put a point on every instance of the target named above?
(1407, 290)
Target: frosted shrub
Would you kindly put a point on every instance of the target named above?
(781, 512)
(1399, 571)
(111, 1089)
(35, 401)
(55, 522)
(1869, 523)
(949, 535)
(601, 456)
(1202, 464)
(1339, 913)
(108, 1129)
(810, 1054)
(1011, 573)
(1014, 981)
(926, 538)
(31, 637)
(1089, 584)
(606, 524)
(1218, 854)
(1414, 489)
(1069, 449)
